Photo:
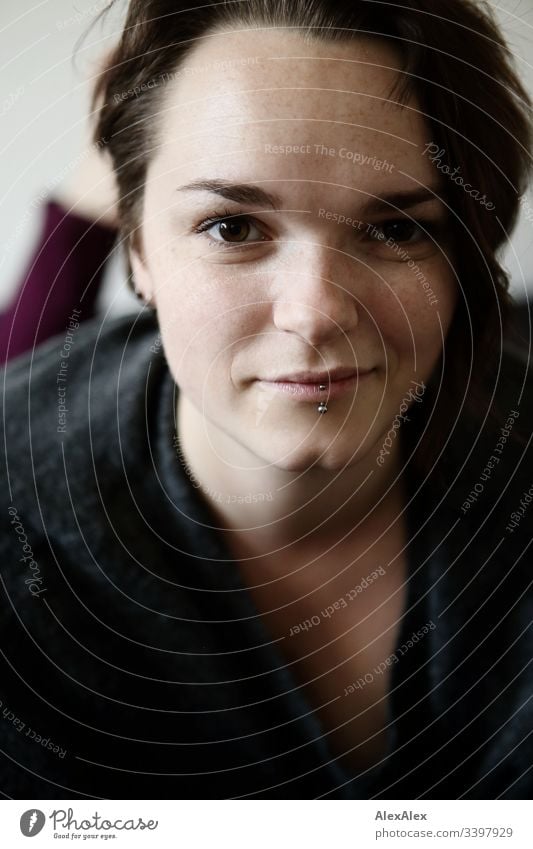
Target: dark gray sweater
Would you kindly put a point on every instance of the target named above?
(133, 662)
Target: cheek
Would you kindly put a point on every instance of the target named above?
(204, 321)
(413, 315)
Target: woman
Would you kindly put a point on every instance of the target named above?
(267, 524)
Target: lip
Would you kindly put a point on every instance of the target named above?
(334, 374)
(308, 389)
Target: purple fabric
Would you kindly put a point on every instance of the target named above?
(65, 273)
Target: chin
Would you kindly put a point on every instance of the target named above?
(327, 454)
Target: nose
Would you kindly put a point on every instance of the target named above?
(315, 300)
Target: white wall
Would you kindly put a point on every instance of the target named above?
(44, 101)
(516, 17)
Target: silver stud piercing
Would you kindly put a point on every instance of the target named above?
(322, 407)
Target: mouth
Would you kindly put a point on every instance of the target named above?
(323, 386)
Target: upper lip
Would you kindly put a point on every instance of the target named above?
(333, 374)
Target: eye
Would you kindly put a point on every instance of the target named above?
(399, 230)
(235, 229)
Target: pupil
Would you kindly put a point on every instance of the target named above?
(235, 230)
(400, 230)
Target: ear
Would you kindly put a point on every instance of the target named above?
(142, 280)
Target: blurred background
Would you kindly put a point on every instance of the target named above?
(44, 101)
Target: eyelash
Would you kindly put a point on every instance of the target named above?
(218, 218)
(427, 228)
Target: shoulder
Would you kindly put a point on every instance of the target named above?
(84, 353)
(69, 407)
(491, 451)
(504, 448)
(486, 518)
(82, 509)
(482, 476)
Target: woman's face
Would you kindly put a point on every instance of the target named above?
(292, 223)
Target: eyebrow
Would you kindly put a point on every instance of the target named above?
(246, 193)
(237, 192)
(402, 200)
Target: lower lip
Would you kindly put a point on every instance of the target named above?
(311, 391)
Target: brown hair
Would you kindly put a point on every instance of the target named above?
(456, 61)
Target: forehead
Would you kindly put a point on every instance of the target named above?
(270, 104)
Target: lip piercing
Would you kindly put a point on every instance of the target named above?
(322, 407)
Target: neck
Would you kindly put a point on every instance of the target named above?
(266, 507)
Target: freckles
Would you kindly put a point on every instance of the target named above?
(423, 319)
(390, 312)
(403, 317)
(226, 295)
